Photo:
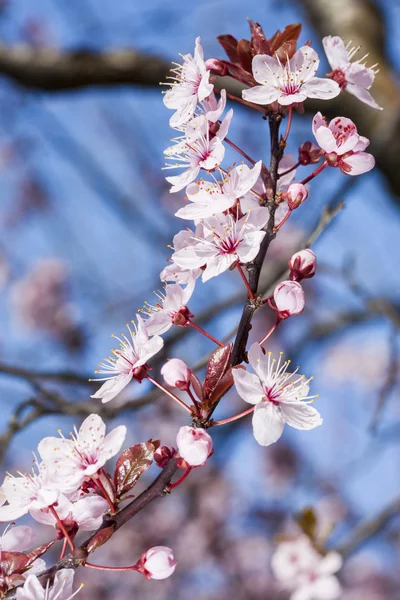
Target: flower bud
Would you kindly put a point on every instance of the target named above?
(296, 194)
(163, 455)
(194, 444)
(303, 265)
(289, 299)
(176, 374)
(158, 562)
(309, 153)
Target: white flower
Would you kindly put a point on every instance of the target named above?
(128, 362)
(354, 77)
(61, 589)
(87, 512)
(17, 539)
(279, 397)
(190, 85)
(293, 82)
(210, 198)
(225, 241)
(79, 458)
(172, 272)
(172, 310)
(30, 491)
(197, 150)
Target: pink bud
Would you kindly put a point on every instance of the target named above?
(194, 444)
(309, 153)
(303, 265)
(163, 455)
(289, 299)
(176, 373)
(158, 562)
(296, 194)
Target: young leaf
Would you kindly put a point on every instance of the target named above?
(131, 464)
(229, 44)
(217, 367)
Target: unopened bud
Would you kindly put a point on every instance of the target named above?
(157, 563)
(217, 66)
(194, 444)
(176, 374)
(303, 265)
(289, 299)
(163, 455)
(309, 154)
(296, 194)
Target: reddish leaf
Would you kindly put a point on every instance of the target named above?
(13, 562)
(245, 55)
(37, 552)
(217, 367)
(131, 464)
(285, 43)
(259, 42)
(107, 483)
(99, 538)
(223, 385)
(198, 390)
(229, 44)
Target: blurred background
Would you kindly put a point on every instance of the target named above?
(85, 223)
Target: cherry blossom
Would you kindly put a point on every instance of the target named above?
(225, 241)
(176, 373)
(159, 562)
(17, 539)
(191, 84)
(81, 457)
(342, 144)
(33, 490)
(129, 361)
(291, 82)
(61, 589)
(194, 445)
(210, 198)
(197, 150)
(85, 514)
(172, 272)
(303, 265)
(354, 77)
(288, 299)
(279, 397)
(172, 310)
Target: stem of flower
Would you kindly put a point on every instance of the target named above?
(246, 156)
(170, 394)
(285, 218)
(200, 330)
(101, 568)
(270, 332)
(64, 548)
(234, 418)
(289, 123)
(179, 481)
(289, 170)
(61, 526)
(246, 283)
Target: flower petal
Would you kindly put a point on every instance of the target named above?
(324, 89)
(300, 415)
(112, 387)
(261, 94)
(248, 386)
(360, 162)
(268, 423)
(335, 51)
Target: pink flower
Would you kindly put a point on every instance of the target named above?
(342, 144)
(176, 373)
(279, 397)
(197, 150)
(225, 241)
(26, 492)
(191, 85)
(303, 265)
(81, 457)
(296, 194)
(289, 299)
(85, 514)
(290, 83)
(159, 562)
(194, 445)
(172, 310)
(128, 362)
(61, 589)
(172, 272)
(354, 77)
(210, 198)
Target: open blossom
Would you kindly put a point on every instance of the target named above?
(291, 82)
(128, 361)
(194, 445)
(343, 146)
(279, 397)
(158, 562)
(301, 569)
(172, 272)
(225, 241)
(171, 310)
(79, 458)
(197, 150)
(61, 588)
(354, 77)
(33, 490)
(191, 84)
(85, 514)
(210, 198)
(288, 299)
(303, 265)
